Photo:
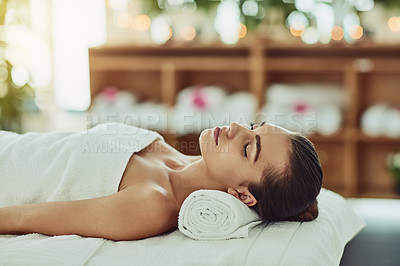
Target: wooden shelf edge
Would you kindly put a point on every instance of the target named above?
(362, 137)
(354, 135)
(337, 137)
(379, 195)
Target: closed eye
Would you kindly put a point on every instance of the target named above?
(245, 149)
(252, 125)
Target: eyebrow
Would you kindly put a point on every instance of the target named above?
(258, 144)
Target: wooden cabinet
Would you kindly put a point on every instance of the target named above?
(353, 162)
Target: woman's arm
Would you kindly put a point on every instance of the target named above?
(10, 218)
(127, 215)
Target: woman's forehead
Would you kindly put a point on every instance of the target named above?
(273, 129)
(274, 144)
(287, 131)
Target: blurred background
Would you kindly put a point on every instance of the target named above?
(327, 68)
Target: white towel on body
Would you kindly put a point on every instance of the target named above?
(62, 166)
(215, 215)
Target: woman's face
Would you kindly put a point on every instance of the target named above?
(236, 155)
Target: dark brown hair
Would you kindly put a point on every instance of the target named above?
(290, 194)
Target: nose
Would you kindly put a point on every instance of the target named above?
(235, 128)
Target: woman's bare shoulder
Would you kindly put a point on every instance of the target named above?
(154, 206)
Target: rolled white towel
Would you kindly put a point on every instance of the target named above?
(215, 215)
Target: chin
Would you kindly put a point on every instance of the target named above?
(201, 140)
(204, 135)
(204, 140)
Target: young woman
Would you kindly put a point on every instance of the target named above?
(272, 170)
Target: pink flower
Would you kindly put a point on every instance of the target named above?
(199, 99)
(109, 94)
(300, 107)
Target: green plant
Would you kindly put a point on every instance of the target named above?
(12, 99)
(393, 164)
(388, 3)
(154, 7)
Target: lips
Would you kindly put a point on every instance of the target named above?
(217, 130)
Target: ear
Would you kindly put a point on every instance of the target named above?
(243, 194)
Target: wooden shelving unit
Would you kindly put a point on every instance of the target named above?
(353, 162)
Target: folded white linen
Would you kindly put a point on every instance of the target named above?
(320, 242)
(324, 238)
(215, 215)
(37, 249)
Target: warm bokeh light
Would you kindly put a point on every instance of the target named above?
(310, 35)
(227, 21)
(242, 31)
(394, 24)
(188, 33)
(19, 75)
(169, 36)
(141, 22)
(117, 4)
(108, 4)
(297, 29)
(356, 32)
(124, 20)
(160, 30)
(337, 33)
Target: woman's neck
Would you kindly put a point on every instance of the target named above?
(191, 177)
